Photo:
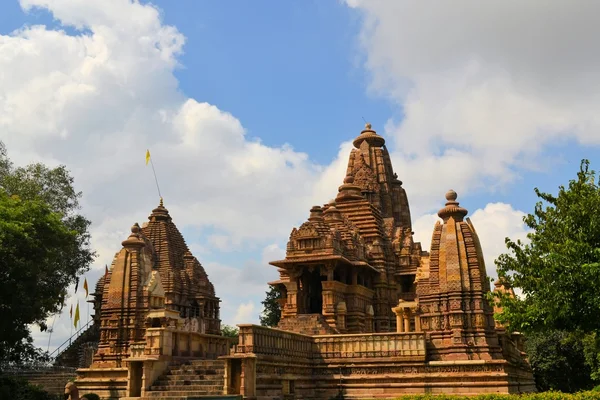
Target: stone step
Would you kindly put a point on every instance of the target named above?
(202, 397)
(196, 373)
(183, 393)
(189, 378)
(207, 362)
(179, 388)
(188, 383)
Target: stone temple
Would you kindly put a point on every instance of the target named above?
(366, 312)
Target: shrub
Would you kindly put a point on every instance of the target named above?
(19, 389)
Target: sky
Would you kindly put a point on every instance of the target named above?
(249, 110)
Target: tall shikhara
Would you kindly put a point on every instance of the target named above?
(355, 256)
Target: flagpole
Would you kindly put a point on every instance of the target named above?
(149, 158)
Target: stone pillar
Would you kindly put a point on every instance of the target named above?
(369, 319)
(407, 320)
(417, 315)
(291, 305)
(399, 311)
(341, 316)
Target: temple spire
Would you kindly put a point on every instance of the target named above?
(452, 208)
(370, 136)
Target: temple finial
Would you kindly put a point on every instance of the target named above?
(452, 208)
(368, 126)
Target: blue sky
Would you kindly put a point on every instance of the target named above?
(248, 108)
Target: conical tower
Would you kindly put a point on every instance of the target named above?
(452, 291)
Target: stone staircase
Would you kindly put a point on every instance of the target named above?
(197, 379)
(78, 353)
(51, 379)
(308, 324)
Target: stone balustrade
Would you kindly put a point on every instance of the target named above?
(273, 342)
(267, 341)
(366, 345)
(179, 343)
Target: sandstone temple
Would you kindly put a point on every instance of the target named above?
(365, 311)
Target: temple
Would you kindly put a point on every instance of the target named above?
(155, 308)
(365, 311)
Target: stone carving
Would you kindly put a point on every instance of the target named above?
(71, 391)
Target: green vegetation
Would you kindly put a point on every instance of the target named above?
(20, 389)
(272, 311)
(44, 247)
(558, 272)
(230, 332)
(591, 395)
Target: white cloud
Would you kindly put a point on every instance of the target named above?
(483, 87)
(97, 98)
(493, 223)
(246, 313)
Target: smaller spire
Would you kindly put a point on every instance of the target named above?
(349, 191)
(316, 214)
(160, 212)
(332, 213)
(135, 238)
(452, 208)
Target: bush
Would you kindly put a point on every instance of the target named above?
(589, 395)
(558, 360)
(19, 389)
(91, 396)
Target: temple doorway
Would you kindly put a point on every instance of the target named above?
(314, 292)
(135, 378)
(235, 376)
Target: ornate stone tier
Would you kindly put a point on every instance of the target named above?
(270, 362)
(260, 340)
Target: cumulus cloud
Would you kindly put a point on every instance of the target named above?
(97, 96)
(483, 87)
(246, 313)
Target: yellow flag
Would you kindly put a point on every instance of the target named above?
(85, 286)
(76, 320)
(147, 156)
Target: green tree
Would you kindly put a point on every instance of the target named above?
(272, 311)
(44, 247)
(230, 332)
(558, 360)
(558, 272)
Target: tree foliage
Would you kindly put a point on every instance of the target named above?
(558, 271)
(229, 331)
(44, 246)
(272, 311)
(558, 360)
(19, 388)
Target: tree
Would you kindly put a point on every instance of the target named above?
(272, 311)
(558, 360)
(558, 272)
(44, 247)
(230, 332)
